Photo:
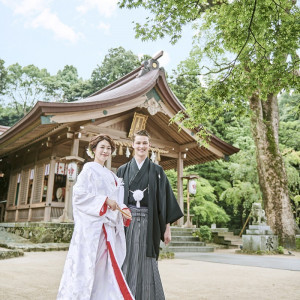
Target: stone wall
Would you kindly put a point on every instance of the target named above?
(41, 232)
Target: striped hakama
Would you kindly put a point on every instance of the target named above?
(141, 272)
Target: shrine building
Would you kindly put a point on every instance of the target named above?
(42, 153)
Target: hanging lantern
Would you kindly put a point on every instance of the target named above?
(192, 187)
(72, 171)
(121, 150)
(127, 152)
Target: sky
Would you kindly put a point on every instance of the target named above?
(53, 33)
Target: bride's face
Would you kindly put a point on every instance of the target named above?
(102, 152)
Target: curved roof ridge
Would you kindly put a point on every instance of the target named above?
(118, 82)
(126, 77)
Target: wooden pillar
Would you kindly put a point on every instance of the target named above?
(33, 183)
(47, 215)
(180, 186)
(67, 215)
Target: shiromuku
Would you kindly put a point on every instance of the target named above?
(98, 248)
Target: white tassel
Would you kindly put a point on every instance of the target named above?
(127, 152)
(115, 152)
(153, 156)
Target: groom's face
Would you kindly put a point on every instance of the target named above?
(141, 146)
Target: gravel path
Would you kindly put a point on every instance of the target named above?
(36, 276)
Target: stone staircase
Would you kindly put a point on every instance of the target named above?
(184, 241)
(224, 237)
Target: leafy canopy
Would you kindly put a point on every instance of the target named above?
(117, 63)
(241, 47)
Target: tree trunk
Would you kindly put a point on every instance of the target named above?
(271, 169)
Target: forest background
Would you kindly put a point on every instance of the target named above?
(226, 188)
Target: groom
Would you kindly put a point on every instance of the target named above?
(154, 207)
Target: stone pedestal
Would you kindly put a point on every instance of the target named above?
(260, 238)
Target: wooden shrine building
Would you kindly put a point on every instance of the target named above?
(35, 153)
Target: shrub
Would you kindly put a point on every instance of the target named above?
(204, 233)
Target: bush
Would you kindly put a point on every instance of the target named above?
(204, 233)
(280, 250)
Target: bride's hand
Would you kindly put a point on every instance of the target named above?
(111, 203)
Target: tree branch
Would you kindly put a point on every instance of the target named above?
(241, 50)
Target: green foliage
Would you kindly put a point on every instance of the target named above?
(21, 87)
(66, 86)
(183, 85)
(3, 77)
(166, 255)
(9, 116)
(289, 126)
(296, 208)
(168, 17)
(280, 250)
(25, 86)
(235, 182)
(204, 233)
(258, 252)
(241, 194)
(172, 176)
(298, 242)
(117, 63)
(251, 44)
(204, 206)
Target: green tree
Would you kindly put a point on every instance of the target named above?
(9, 116)
(3, 76)
(289, 126)
(247, 52)
(25, 86)
(66, 86)
(204, 206)
(117, 63)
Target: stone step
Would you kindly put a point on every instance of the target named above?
(182, 233)
(30, 247)
(186, 244)
(221, 230)
(7, 237)
(228, 239)
(6, 253)
(181, 229)
(225, 234)
(191, 249)
(185, 238)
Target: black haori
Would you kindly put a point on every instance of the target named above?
(140, 271)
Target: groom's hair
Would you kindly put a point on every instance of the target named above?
(141, 133)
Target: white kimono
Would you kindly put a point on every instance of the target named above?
(97, 250)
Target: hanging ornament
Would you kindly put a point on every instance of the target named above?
(153, 156)
(90, 152)
(121, 150)
(115, 152)
(158, 156)
(127, 152)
